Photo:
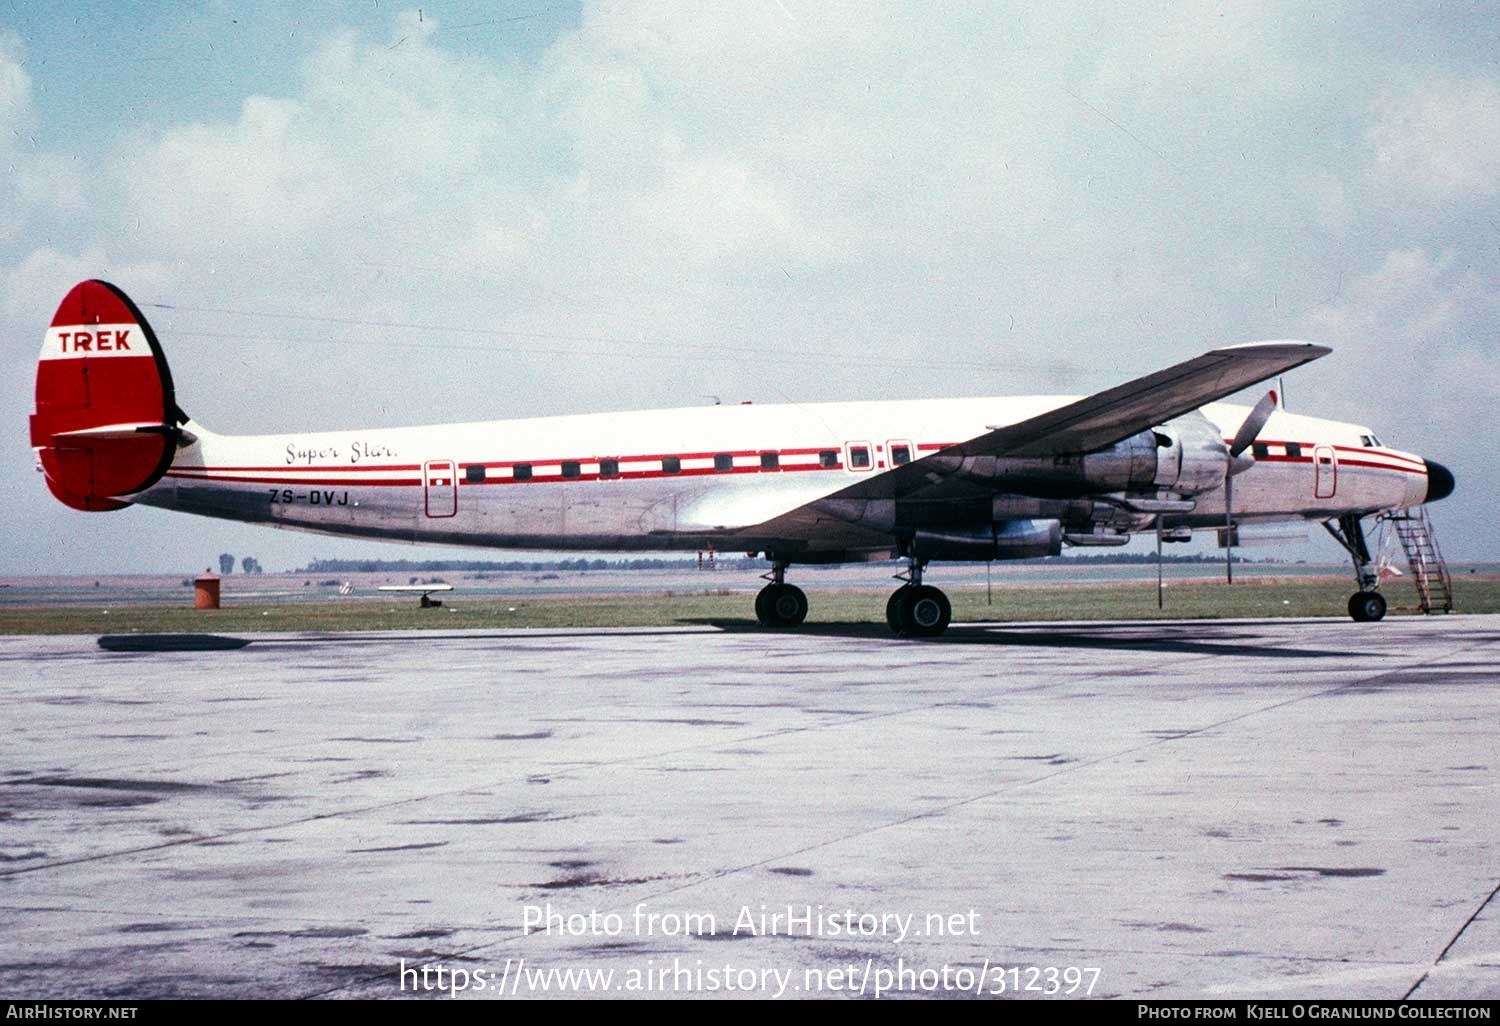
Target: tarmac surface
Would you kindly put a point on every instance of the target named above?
(1279, 809)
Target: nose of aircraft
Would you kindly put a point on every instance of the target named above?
(1439, 481)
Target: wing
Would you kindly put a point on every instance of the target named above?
(1086, 425)
(1108, 417)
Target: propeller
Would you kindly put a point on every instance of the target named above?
(1253, 423)
(1239, 463)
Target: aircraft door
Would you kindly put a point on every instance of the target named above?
(440, 488)
(1326, 462)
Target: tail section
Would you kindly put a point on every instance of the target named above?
(106, 420)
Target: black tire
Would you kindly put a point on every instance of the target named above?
(781, 605)
(893, 609)
(1367, 606)
(790, 606)
(925, 612)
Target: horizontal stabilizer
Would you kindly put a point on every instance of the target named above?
(116, 431)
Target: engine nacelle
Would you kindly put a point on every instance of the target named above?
(1010, 539)
(1186, 456)
(1125, 466)
(1196, 460)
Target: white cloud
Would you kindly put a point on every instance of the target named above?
(31, 290)
(676, 144)
(1412, 298)
(15, 90)
(15, 125)
(688, 199)
(253, 180)
(34, 185)
(1441, 139)
(1416, 357)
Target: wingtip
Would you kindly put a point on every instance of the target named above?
(1312, 350)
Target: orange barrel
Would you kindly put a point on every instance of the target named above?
(206, 591)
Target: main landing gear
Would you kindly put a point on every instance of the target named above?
(1367, 605)
(780, 604)
(917, 610)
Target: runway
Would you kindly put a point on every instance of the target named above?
(1288, 808)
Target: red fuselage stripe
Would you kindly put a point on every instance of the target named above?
(384, 468)
(343, 482)
(278, 475)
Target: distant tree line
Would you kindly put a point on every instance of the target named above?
(398, 566)
(249, 564)
(394, 566)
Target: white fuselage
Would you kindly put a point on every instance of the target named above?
(686, 478)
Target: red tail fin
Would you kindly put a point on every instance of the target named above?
(105, 424)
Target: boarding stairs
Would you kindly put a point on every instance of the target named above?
(1429, 574)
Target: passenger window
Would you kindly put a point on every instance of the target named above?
(474, 474)
(671, 465)
(859, 458)
(900, 454)
(521, 472)
(570, 468)
(828, 458)
(723, 461)
(769, 461)
(609, 468)
(1294, 449)
(1260, 450)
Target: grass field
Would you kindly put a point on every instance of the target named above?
(1135, 600)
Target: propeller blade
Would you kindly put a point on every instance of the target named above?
(1253, 423)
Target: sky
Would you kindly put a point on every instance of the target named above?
(362, 214)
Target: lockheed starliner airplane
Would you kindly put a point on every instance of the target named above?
(919, 480)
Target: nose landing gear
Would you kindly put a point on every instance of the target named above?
(1367, 605)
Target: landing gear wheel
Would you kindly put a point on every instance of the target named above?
(781, 605)
(919, 611)
(1367, 606)
(893, 609)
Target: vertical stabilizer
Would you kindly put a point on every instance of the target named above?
(105, 425)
